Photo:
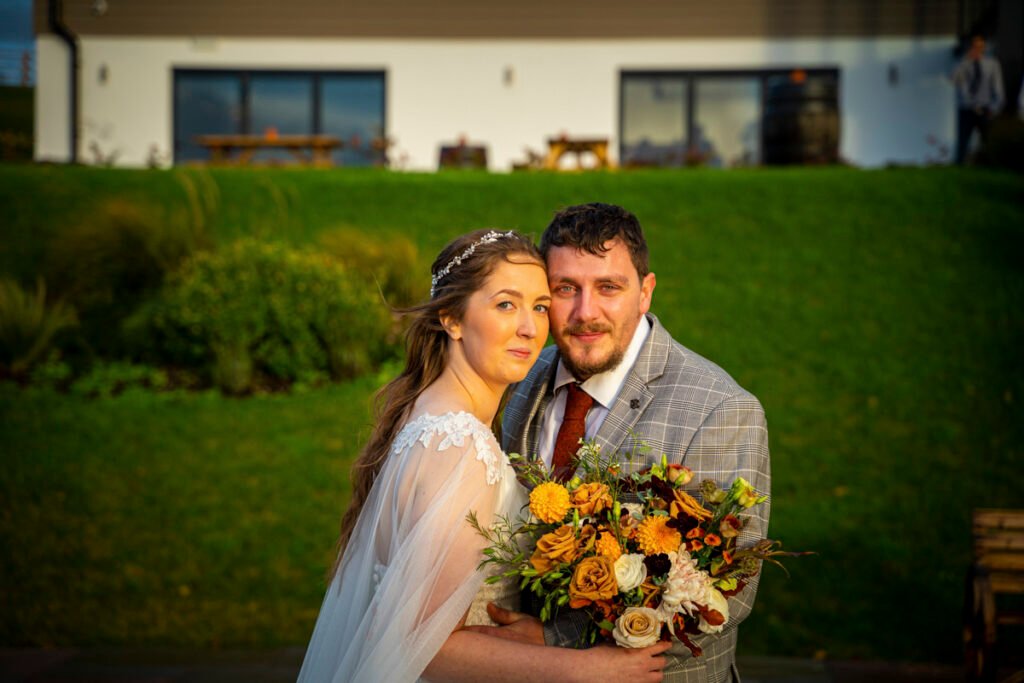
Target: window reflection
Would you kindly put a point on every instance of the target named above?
(727, 129)
(349, 106)
(281, 104)
(654, 121)
(204, 104)
(727, 119)
(352, 108)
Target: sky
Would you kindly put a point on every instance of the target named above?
(16, 21)
(15, 38)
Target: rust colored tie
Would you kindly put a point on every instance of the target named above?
(574, 425)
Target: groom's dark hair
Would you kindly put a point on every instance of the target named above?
(589, 227)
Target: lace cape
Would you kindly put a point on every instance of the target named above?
(410, 570)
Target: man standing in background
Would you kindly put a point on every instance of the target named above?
(979, 92)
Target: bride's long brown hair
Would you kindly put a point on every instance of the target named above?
(426, 352)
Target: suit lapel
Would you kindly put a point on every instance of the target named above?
(617, 433)
(526, 410)
(620, 423)
(538, 402)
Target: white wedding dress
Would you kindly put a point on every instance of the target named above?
(409, 573)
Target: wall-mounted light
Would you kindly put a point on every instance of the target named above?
(99, 8)
(508, 76)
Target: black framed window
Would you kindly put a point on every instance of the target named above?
(347, 104)
(728, 118)
(204, 104)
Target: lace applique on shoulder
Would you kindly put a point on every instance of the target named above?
(455, 428)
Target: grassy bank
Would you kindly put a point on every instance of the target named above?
(876, 315)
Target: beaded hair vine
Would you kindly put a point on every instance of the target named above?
(492, 236)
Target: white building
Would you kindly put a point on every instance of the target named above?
(660, 79)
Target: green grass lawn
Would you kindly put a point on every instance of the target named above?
(876, 314)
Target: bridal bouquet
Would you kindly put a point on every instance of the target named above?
(663, 563)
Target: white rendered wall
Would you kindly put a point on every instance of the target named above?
(439, 90)
(53, 100)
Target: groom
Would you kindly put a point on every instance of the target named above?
(616, 375)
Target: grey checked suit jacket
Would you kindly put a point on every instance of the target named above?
(688, 408)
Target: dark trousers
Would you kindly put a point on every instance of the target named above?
(969, 120)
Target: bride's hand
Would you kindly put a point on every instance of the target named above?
(512, 626)
(611, 663)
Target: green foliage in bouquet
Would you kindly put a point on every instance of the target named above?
(257, 307)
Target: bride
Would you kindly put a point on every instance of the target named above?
(406, 575)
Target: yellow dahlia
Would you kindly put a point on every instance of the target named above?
(655, 536)
(549, 502)
(608, 546)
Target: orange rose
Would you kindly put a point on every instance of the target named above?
(591, 499)
(561, 545)
(594, 579)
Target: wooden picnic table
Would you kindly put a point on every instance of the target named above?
(995, 583)
(560, 146)
(312, 150)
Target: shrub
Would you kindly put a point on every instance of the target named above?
(28, 325)
(392, 266)
(107, 264)
(263, 308)
(105, 379)
(53, 372)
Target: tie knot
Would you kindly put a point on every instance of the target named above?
(577, 403)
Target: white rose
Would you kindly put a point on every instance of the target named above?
(717, 602)
(637, 627)
(630, 571)
(635, 509)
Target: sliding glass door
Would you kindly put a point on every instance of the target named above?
(348, 105)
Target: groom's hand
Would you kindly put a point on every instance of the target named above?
(512, 626)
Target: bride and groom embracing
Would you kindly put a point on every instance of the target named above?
(406, 600)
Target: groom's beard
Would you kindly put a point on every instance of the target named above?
(583, 368)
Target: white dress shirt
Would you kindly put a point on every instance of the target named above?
(603, 387)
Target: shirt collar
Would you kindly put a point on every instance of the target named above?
(605, 386)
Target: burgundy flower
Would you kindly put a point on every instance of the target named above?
(657, 565)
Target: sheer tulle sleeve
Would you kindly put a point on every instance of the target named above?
(410, 570)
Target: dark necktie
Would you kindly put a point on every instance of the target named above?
(976, 78)
(574, 425)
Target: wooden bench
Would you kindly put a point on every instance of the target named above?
(998, 569)
(238, 150)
